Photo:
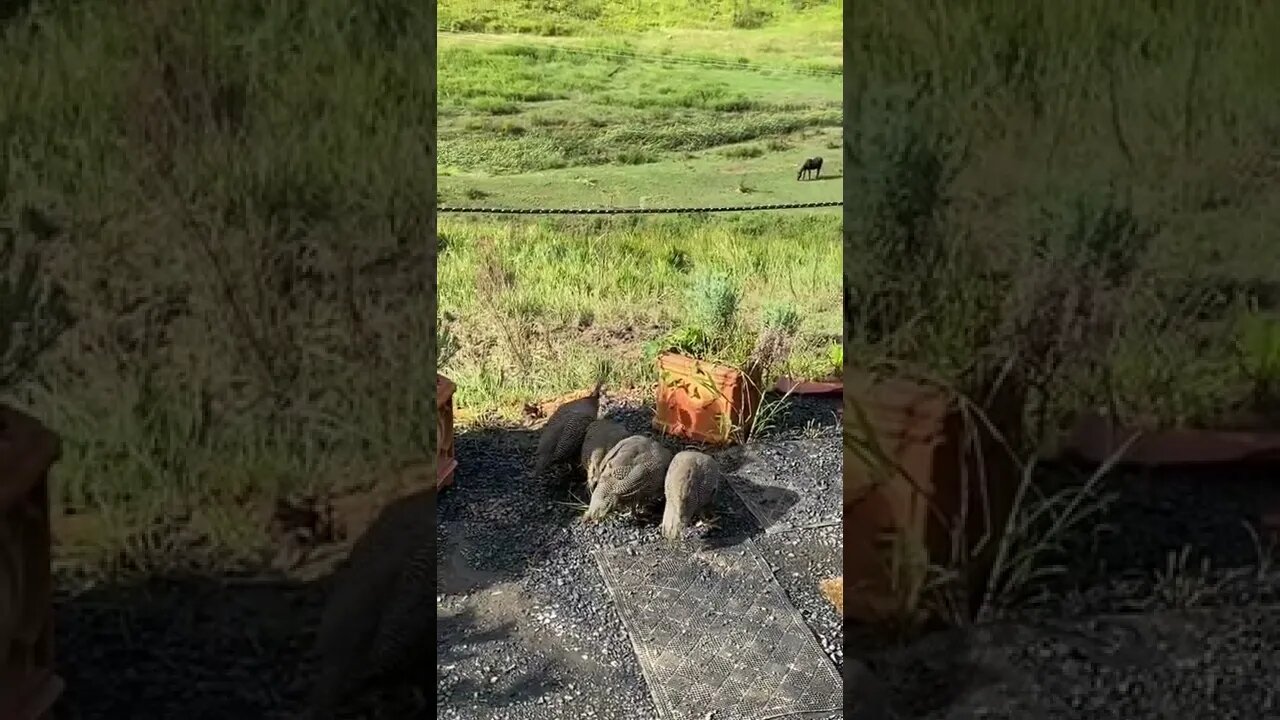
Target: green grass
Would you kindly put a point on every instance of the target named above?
(1046, 105)
(619, 125)
(775, 20)
(1080, 194)
(574, 293)
(241, 249)
(631, 108)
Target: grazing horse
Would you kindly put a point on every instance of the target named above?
(812, 164)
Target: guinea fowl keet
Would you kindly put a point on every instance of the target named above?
(690, 486)
(600, 438)
(562, 436)
(631, 474)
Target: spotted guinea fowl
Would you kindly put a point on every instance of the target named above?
(378, 622)
(631, 474)
(599, 439)
(690, 486)
(561, 439)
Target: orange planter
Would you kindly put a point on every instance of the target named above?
(445, 461)
(28, 687)
(944, 504)
(703, 401)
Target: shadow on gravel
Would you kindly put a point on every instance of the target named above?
(460, 637)
(738, 524)
(931, 678)
(799, 415)
(186, 647)
(493, 524)
(207, 646)
(199, 648)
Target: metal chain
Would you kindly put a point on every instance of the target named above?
(635, 211)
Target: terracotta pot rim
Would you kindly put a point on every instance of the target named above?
(679, 361)
(1094, 438)
(816, 386)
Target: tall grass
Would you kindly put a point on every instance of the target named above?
(1076, 197)
(1043, 129)
(536, 305)
(237, 200)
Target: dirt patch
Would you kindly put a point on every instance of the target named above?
(623, 341)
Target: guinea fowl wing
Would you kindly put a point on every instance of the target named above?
(561, 438)
(644, 475)
(569, 443)
(601, 437)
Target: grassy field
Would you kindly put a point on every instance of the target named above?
(669, 105)
(233, 199)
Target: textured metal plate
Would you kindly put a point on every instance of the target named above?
(717, 637)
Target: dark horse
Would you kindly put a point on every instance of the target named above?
(814, 164)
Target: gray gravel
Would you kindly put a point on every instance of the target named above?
(1168, 609)
(1168, 540)
(792, 484)
(1188, 665)
(499, 529)
(198, 650)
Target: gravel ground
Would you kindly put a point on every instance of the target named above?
(1175, 665)
(1169, 608)
(557, 649)
(1169, 540)
(790, 485)
(191, 649)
